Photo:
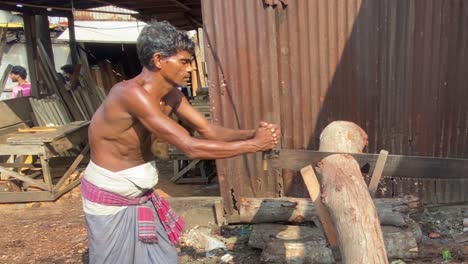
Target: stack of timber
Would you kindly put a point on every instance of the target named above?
(276, 229)
(199, 76)
(105, 76)
(366, 229)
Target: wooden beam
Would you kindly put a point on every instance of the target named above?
(31, 10)
(46, 172)
(72, 41)
(182, 5)
(8, 149)
(25, 179)
(69, 187)
(72, 168)
(43, 35)
(14, 7)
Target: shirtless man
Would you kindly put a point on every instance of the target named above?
(123, 227)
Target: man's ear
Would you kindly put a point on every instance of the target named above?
(157, 60)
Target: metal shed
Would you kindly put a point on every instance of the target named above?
(396, 68)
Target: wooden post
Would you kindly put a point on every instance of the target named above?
(43, 34)
(31, 52)
(72, 39)
(345, 194)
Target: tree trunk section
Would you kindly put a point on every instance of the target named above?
(343, 136)
(345, 194)
(391, 211)
(300, 244)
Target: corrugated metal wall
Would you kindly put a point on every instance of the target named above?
(398, 68)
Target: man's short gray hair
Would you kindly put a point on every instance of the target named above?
(164, 38)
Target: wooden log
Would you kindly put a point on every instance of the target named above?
(343, 136)
(345, 194)
(286, 244)
(264, 233)
(391, 211)
(305, 252)
(353, 212)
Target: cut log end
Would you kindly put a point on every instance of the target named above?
(343, 136)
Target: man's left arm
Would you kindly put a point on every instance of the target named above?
(191, 117)
(196, 121)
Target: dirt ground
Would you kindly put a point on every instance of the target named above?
(56, 232)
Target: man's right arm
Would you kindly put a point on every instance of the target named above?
(139, 104)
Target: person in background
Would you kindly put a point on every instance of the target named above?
(18, 74)
(67, 71)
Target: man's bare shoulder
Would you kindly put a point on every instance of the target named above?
(128, 93)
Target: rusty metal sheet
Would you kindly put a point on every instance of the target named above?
(396, 68)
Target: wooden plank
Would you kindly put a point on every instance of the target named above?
(396, 165)
(69, 187)
(72, 37)
(23, 197)
(313, 187)
(20, 177)
(80, 104)
(36, 129)
(219, 212)
(377, 173)
(46, 136)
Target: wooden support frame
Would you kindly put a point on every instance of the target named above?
(181, 170)
(45, 145)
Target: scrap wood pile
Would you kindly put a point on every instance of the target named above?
(199, 73)
(352, 226)
(105, 76)
(67, 102)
